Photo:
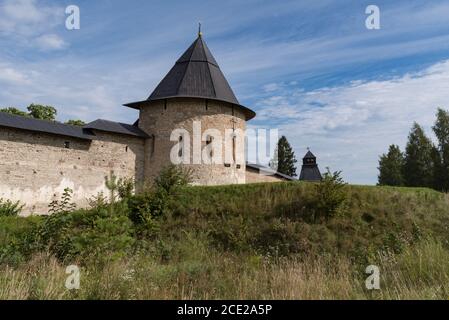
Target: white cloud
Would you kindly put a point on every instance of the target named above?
(348, 127)
(30, 22)
(23, 11)
(50, 42)
(9, 75)
(271, 87)
(76, 88)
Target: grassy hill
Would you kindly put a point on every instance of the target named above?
(272, 240)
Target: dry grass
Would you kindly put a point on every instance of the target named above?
(215, 244)
(421, 272)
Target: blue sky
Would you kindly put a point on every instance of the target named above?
(309, 68)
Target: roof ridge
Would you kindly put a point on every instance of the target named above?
(208, 68)
(114, 126)
(191, 78)
(106, 120)
(6, 114)
(187, 62)
(41, 125)
(191, 53)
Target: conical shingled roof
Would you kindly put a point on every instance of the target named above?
(310, 173)
(309, 155)
(196, 74)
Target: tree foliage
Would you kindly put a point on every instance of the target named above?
(10, 208)
(391, 167)
(42, 112)
(63, 205)
(424, 164)
(284, 158)
(172, 177)
(76, 122)
(36, 111)
(331, 196)
(14, 111)
(418, 165)
(441, 154)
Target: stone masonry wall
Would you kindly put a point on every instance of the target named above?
(253, 176)
(36, 167)
(160, 118)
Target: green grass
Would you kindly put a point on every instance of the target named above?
(253, 241)
(420, 272)
(264, 215)
(12, 228)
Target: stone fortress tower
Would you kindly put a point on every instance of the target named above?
(192, 116)
(195, 97)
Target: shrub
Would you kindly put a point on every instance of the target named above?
(112, 186)
(121, 187)
(278, 238)
(17, 238)
(153, 202)
(125, 188)
(331, 196)
(98, 201)
(172, 177)
(86, 234)
(63, 205)
(9, 208)
(112, 235)
(231, 232)
(148, 205)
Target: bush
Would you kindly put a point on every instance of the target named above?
(172, 177)
(147, 205)
(153, 202)
(125, 188)
(9, 208)
(16, 238)
(63, 205)
(121, 187)
(86, 234)
(331, 196)
(98, 201)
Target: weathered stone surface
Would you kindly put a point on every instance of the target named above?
(253, 176)
(160, 118)
(36, 167)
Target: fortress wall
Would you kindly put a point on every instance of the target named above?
(36, 167)
(160, 119)
(253, 176)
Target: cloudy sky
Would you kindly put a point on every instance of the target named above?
(309, 68)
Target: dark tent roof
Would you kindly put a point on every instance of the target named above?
(53, 127)
(196, 74)
(310, 170)
(310, 173)
(25, 123)
(116, 127)
(259, 168)
(309, 155)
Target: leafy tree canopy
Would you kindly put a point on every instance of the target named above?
(42, 112)
(15, 111)
(390, 167)
(418, 164)
(284, 158)
(76, 122)
(441, 154)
